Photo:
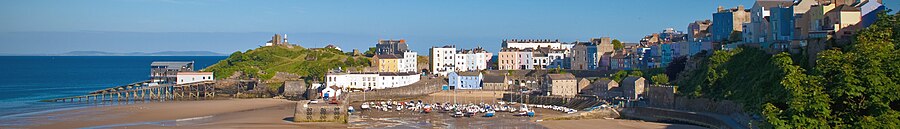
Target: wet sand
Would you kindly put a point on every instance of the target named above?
(233, 113)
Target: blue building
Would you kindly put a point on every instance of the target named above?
(465, 80)
(727, 21)
(782, 23)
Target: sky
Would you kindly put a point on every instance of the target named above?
(226, 26)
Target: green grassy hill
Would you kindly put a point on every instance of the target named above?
(264, 62)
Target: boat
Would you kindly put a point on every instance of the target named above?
(457, 114)
(427, 109)
(399, 108)
(364, 106)
(523, 109)
(489, 114)
(350, 109)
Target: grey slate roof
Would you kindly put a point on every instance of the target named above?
(602, 81)
(172, 64)
(631, 79)
(494, 79)
(774, 3)
(564, 76)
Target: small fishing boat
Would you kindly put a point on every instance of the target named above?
(427, 109)
(457, 114)
(489, 114)
(364, 106)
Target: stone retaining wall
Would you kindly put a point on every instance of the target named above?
(421, 88)
(577, 102)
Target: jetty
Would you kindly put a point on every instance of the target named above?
(143, 91)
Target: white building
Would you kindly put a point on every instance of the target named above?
(191, 77)
(442, 60)
(557, 58)
(408, 62)
(447, 59)
(371, 80)
(472, 59)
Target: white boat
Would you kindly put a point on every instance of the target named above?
(364, 106)
(523, 109)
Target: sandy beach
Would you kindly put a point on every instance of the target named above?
(232, 113)
(275, 113)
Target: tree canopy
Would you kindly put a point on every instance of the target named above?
(617, 45)
(854, 87)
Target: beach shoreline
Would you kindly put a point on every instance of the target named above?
(267, 113)
(276, 113)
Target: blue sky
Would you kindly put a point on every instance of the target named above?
(225, 26)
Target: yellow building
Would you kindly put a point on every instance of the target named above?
(387, 63)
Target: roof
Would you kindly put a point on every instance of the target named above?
(774, 3)
(387, 56)
(494, 79)
(531, 41)
(631, 79)
(603, 81)
(467, 73)
(194, 73)
(379, 73)
(564, 76)
(846, 8)
(172, 64)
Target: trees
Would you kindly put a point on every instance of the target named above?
(370, 52)
(660, 79)
(617, 45)
(736, 36)
(618, 76)
(676, 66)
(854, 87)
(863, 79)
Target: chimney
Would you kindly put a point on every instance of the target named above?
(740, 8)
(720, 9)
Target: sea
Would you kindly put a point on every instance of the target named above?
(26, 80)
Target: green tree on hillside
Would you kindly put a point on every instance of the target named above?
(370, 52)
(660, 79)
(618, 76)
(617, 45)
(863, 79)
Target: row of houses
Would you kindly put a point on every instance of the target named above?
(447, 59)
(394, 56)
(396, 67)
(787, 25)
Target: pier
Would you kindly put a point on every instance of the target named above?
(139, 91)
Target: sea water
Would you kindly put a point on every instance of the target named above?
(26, 80)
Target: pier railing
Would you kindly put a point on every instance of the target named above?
(135, 92)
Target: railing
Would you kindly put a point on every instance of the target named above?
(189, 91)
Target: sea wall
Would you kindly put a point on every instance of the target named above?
(424, 87)
(577, 102)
